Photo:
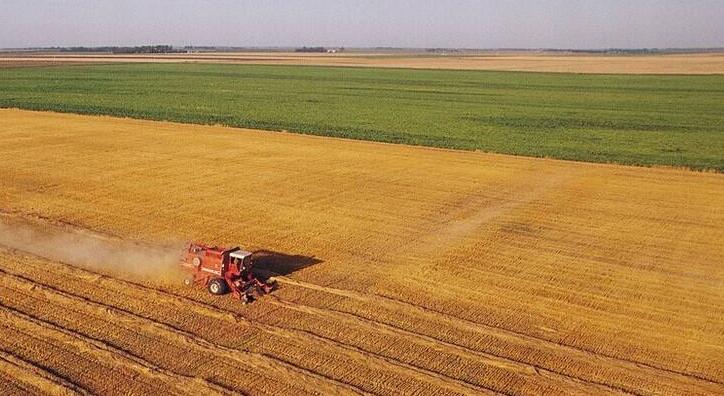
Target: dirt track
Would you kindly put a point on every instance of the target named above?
(708, 63)
(428, 271)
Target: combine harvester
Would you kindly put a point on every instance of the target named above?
(222, 270)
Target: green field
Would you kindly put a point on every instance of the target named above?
(643, 120)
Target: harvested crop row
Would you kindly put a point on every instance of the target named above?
(579, 365)
(82, 359)
(495, 374)
(108, 288)
(19, 376)
(216, 327)
(156, 343)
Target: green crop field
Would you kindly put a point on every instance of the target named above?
(643, 120)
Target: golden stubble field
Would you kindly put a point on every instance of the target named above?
(695, 63)
(437, 272)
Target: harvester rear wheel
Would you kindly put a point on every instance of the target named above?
(189, 280)
(217, 286)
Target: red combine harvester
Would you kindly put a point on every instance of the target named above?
(222, 270)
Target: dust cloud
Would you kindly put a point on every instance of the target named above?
(93, 251)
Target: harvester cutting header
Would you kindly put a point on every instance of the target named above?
(222, 270)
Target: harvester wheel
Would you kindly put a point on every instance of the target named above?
(217, 286)
(189, 280)
(196, 261)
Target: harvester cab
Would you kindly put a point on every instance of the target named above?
(241, 259)
(223, 270)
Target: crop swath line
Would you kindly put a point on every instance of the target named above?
(395, 301)
(235, 319)
(622, 384)
(30, 325)
(172, 333)
(391, 361)
(17, 322)
(538, 370)
(621, 375)
(207, 385)
(226, 314)
(178, 300)
(34, 374)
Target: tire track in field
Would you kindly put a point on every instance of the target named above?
(268, 363)
(372, 298)
(491, 359)
(30, 325)
(30, 373)
(422, 374)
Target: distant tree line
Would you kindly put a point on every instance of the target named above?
(143, 49)
(311, 49)
(442, 50)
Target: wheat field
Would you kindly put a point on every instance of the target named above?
(427, 271)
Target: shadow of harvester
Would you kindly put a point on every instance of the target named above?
(268, 263)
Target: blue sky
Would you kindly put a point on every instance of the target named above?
(365, 23)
